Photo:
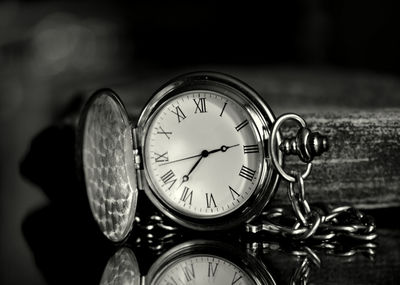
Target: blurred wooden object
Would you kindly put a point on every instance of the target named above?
(362, 166)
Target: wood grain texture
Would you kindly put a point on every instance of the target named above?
(362, 166)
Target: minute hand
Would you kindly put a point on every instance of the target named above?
(222, 148)
(189, 157)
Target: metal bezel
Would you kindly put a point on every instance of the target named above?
(256, 270)
(263, 118)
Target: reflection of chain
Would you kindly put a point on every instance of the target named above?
(154, 232)
(306, 253)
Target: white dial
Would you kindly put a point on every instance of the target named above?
(202, 269)
(203, 154)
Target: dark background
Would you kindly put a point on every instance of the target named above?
(51, 50)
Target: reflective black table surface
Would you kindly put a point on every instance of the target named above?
(67, 245)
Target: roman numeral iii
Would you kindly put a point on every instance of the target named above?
(200, 105)
(247, 173)
(253, 148)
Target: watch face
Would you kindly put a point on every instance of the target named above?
(203, 154)
(202, 269)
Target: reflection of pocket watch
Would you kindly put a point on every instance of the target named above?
(199, 151)
(193, 262)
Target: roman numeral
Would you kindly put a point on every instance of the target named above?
(247, 173)
(236, 279)
(210, 199)
(161, 157)
(233, 193)
(168, 178)
(253, 148)
(223, 109)
(200, 105)
(180, 115)
(189, 273)
(242, 125)
(211, 270)
(162, 132)
(187, 195)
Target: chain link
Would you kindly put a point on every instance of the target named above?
(317, 223)
(304, 222)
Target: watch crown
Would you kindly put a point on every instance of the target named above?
(306, 145)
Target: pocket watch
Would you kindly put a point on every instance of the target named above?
(190, 262)
(201, 151)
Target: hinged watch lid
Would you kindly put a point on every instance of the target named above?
(108, 164)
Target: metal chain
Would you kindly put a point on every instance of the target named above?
(304, 222)
(317, 223)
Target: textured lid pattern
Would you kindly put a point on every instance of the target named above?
(121, 269)
(108, 165)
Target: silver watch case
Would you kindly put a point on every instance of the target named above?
(119, 171)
